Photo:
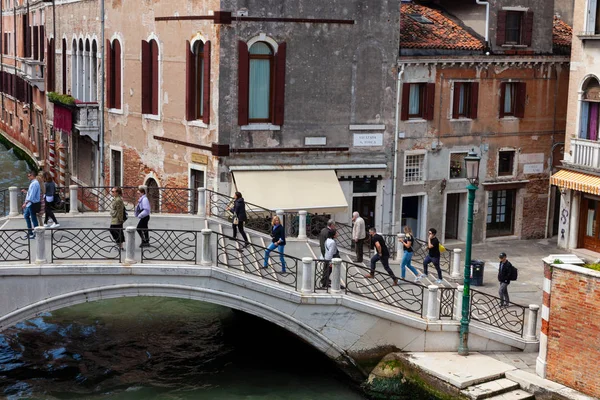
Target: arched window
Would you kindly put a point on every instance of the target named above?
(64, 66)
(150, 78)
(261, 74)
(80, 72)
(590, 107)
(94, 72)
(86, 71)
(198, 81)
(113, 74)
(74, 68)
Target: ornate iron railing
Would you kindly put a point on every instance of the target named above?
(83, 244)
(486, 309)
(171, 245)
(100, 198)
(167, 200)
(421, 251)
(61, 207)
(406, 295)
(447, 296)
(259, 218)
(15, 245)
(232, 254)
(390, 242)
(4, 201)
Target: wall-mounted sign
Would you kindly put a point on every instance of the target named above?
(315, 141)
(368, 139)
(533, 168)
(198, 158)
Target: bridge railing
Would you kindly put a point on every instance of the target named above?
(259, 218)
(15, 245)
(4, 201)
(83, 244)
(485, 308)
(171, 246)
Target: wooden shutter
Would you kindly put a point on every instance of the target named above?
(206, 85)
(109, 75)
(473, 107)
(50, 66)
(405, 100)
(279, 101)
(501, 28)
(502, 99)
(155, 82)
(520, 99)
(146, 79)
(35, 34)
(42, 42)
(528, 28)
(429, 101)
(243, 82)
(190, 72)
(116, 77)
(456, 100)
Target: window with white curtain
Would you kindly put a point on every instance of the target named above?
(260, 79)
(509, 99)
(415, 100)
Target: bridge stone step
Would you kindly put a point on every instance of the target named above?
(514, 395)
(489, 389)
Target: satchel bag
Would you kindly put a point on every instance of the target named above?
(236, 220)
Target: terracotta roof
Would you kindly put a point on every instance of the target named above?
(441, 33)
(562, 33)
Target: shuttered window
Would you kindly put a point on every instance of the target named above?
(261, 73)
(150, 79)
(113, 74)
(418, 100)
(198, 81)
(50, 67)
(513, 96)
(35, 34)
(514, 28)
(64, 66)
(465, 99)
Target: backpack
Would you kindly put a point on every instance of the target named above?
(514, 274)
(124, 214)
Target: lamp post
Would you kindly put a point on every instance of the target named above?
(472, 161)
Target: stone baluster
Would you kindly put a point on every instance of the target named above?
(14, 201)
(280, 213)
(459, 302)
(130, 245)
(73, 203)
(302, 225)
(531, 332)
(205, 246)
(433, 306)
(40, 241)
(202, 202)
(456, 275)
(308, 283)
(336, 275)
(399, 246)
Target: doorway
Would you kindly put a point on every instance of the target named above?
(365, 205)
(153, 195)
(453, 201)
(589, 222)
(500, 213)
(412, 214)
(196, 182)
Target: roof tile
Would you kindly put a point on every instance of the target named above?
(562, 33)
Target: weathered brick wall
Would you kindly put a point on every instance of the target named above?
(574, 325)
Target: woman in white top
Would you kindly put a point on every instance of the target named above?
(331, 252)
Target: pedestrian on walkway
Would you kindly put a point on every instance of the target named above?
(278, 242)
(408, 254)
(142, 211)
(358, 235)
(40, 213)
(239, 217)
(324, 234)
(117, 216)
(50, 197)
(31, 205)
(504, 272)
(433, 244)
(381, 254)
(331, 252)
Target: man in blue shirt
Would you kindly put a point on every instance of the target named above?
(32, 204)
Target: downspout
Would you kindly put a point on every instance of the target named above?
(554, 146)
(487, 20)
(395, 171)
(102, 93)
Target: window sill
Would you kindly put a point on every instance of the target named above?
(415, 120)
(414, 183)
(197, 123)
(459, 180)
(588, 36)
(461, 119)
(506, 177)
(509, 118)
(514, 46)
(261, 127)
(116, 111)
(151, 116)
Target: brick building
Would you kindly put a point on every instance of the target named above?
(504, 96)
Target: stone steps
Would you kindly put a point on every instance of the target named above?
(498, 389)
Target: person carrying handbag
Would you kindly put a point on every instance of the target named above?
(239, 217)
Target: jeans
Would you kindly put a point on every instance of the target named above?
(384, 262)
(279, 248)
(142, 229)
(30, 218)
(406, 259)
(503, 292)
(436, 264)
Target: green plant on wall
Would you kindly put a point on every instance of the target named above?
(61, 98)
(595, 267)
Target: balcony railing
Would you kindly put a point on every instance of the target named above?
(586, 153)
(34, 72)
(87, 119)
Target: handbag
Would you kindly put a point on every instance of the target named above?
(236, 220)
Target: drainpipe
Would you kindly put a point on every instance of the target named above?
(554, 146)
(101, 111)
(395, 171)
(487, 20)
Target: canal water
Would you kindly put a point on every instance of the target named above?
(158, 348)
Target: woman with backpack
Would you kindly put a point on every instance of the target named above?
(117, 216)
(51, 197)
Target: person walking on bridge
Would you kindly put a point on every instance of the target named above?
(278, 242)
(142, 211)
(331, 252)
(117, 216)
(31, 205)
(358, 235)
(504, 272)
(407, 243)
(50, 197)
(239, 217)
(382, 254)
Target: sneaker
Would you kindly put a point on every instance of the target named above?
(55, 225)
(369, 276)
(396, 282)
(30, 237)
(47, 225)
(417, 279)
(421, 276)
(439, 281)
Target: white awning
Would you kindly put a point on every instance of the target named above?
(313, 191)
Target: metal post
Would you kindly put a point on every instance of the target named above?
(205, 245)
(302, 224)
(399, 246)
(336, 275)
(102, 77)
(73, 209)
(463, 345)
(13, 201)
(202, 202)
(308, 283)
(433, 308)
(459, 301)
(456, 265)
(130, 245)
(532, 322)
(40, 241)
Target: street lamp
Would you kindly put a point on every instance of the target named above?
(472, 161)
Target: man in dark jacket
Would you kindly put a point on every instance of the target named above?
(324, 234)
(504, 270)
